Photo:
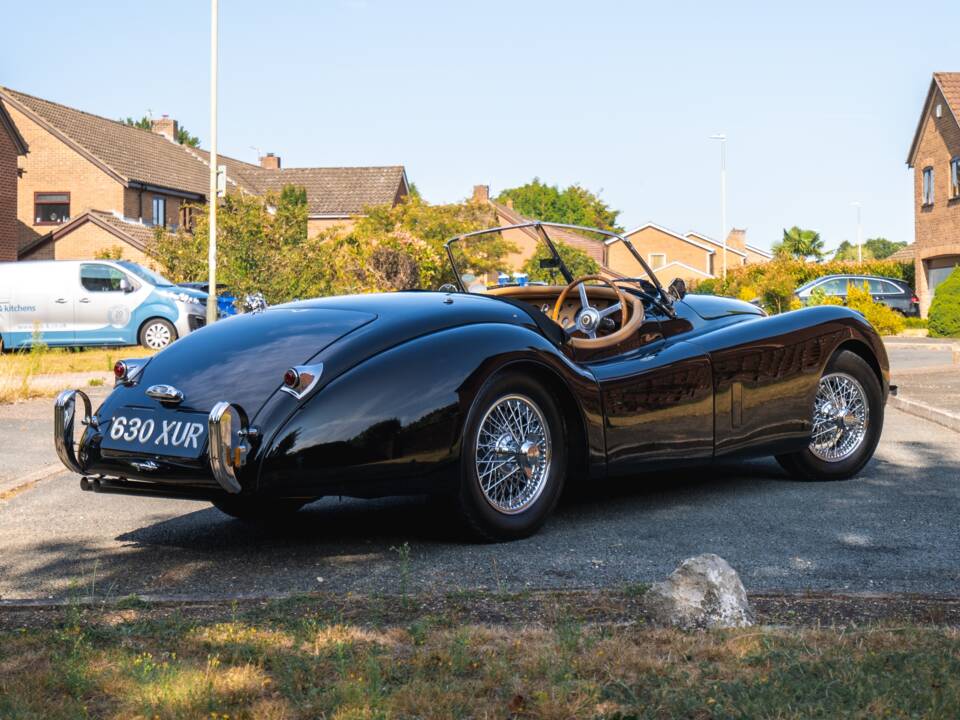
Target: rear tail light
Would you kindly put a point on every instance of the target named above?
(300, 380)
(126, 371)
(914, 299)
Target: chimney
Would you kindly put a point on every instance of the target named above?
(270, 161)
(165, 126)
(737, 239)
(481, 193)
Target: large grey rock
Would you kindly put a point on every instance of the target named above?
(703, 592)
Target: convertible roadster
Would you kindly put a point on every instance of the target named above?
(491, 394)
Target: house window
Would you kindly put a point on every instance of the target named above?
(928, 186)
(51, 208)
(159, 210)
(955, 177)
(657, 260)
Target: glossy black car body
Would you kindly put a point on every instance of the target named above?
(396, 376)
(890, 291)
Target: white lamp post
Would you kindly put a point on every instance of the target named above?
(723, 196)
(212, 197)
(859, 233)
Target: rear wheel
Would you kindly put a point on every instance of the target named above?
(257, 509)
(513, 461)
(847, 421)
(157, 333)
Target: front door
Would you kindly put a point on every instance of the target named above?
(657, 401)
(104, 309)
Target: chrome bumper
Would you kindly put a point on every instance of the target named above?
(229, 437)
(64, 416)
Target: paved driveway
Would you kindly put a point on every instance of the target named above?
(894, 528)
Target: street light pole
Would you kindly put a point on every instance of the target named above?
(859, 233)
(212, 197)
(723, 196)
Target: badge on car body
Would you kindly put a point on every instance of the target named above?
(165, 393)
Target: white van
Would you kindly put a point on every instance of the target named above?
(94, 302)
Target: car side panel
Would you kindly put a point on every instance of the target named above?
(393, 424)
(766, 372)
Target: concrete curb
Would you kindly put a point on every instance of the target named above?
(14, 486)
(927, 412)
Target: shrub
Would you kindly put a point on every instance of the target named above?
(944, 318)
(884, 319)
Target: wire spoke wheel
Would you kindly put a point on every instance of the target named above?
(840, 416)
(513, 456)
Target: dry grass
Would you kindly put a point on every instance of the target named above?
(42, 372)
(303, 664)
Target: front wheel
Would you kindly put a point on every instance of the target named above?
(847, 421)
(157, 333)
(513, 461)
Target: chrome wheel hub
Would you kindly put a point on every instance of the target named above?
(513, 454)
(840, 417)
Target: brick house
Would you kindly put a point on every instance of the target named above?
(91, 184)
(670, 255)
(12, 145)
(935, 159)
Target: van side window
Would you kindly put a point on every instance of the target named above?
(100, 278)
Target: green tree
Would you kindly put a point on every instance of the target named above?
(577, 262)
(881, 248)
(183, 136)
(573, 205)
(798, 243)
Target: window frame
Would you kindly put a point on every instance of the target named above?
(163, 215)
(651, 256)
(955, 177)
(123, 276)
(37, 203)
(926, 189)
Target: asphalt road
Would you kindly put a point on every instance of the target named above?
(894, 528)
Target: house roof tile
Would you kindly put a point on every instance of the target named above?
(142, 156)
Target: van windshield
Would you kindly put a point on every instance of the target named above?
(143, 273)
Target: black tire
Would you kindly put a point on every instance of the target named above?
(805, 465)
(258, 510)
(480, 515)
(157, 327)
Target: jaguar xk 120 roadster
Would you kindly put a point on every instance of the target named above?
(492, 395)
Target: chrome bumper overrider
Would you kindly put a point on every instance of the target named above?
(64, 415)
(229, 443)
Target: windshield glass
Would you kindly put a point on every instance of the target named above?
(144, 274)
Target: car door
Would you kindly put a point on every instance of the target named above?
(104, 307)
(41, 305)
(657, 399)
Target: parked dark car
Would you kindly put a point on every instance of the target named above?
(890, 291)
(493, 399)
(226, 300)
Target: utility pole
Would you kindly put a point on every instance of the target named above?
(723, 196)
(212, 197)
(859, 233)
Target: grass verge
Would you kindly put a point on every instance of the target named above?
(34, 373)
(380, 658)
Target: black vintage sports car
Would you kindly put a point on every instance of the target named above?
(492, 396)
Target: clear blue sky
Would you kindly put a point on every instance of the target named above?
(819, 99)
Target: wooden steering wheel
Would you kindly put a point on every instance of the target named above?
(589, 317)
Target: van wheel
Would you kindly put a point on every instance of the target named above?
(157, 333)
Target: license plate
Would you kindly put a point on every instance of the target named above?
(152, 433)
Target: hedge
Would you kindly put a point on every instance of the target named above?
(944, 317)
(774, 282)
